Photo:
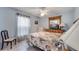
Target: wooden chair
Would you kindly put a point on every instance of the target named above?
(6, 39)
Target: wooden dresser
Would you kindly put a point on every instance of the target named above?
(55, 31)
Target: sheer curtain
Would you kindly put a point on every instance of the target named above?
(23, 25)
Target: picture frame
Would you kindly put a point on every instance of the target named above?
(36, 22)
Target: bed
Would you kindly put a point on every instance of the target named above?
(44, 40)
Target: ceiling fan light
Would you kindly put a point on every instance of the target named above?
(42, 14)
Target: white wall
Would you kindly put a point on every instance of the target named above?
(34, 27)
(43, 22)
(67, 18)
(76, 15)
(8, 20)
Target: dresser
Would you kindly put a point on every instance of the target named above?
(55, 31)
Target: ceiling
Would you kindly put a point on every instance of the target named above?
(36, 10)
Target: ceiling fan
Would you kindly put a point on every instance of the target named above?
(43, 11)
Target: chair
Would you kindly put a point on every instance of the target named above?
(6, 39)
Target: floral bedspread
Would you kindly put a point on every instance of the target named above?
(44, 40)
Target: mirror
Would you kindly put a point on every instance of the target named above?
(54, 22)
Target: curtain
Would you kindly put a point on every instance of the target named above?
(23, 25)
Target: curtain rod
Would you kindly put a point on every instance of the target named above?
(22, 15)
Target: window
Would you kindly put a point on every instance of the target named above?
(23, 25)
